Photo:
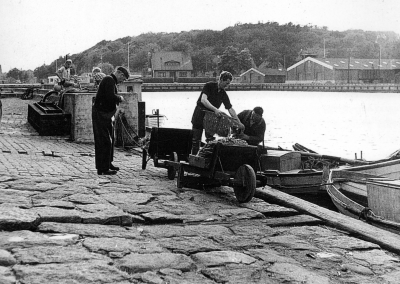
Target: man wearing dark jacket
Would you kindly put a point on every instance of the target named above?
(103, 111)
(211, 98)
(254, 126)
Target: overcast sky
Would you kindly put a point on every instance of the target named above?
(34, 32)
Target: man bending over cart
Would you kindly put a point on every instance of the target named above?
(210, 99)
(254, 125)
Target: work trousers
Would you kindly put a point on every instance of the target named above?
(1, 111)
(104, 137)
(196, 140)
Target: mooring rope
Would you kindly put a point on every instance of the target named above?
(127, 132)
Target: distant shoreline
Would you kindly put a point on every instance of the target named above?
(363, 88)
(185, 87)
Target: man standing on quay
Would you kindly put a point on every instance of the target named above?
(103, 112)
(211, 98)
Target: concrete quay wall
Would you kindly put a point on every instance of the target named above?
(364, 88)
(79, 105)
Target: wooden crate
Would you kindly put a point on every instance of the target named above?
(231, 157)
(227, 157)
(197, 161)
(165, 141)
(282, 161)
(384, 198)
(48, 119)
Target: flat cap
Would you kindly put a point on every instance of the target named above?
(258, 110)
(123, 70)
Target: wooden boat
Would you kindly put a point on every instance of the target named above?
(155, 120)
(295, 181)
(368, 192)
(299, 171)
(283, 170)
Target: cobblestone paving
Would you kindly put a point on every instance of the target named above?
(62, 223)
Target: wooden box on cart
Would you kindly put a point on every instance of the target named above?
(167, 145)
(282, 161)
(48, 119)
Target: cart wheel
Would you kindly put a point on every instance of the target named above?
(155, 160)
(144, 159)
(171, 170)
(245, 175)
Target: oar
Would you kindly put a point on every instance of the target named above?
(302, 148)
(334, 158)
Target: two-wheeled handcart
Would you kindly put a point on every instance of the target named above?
(167, 144)
(229, 165)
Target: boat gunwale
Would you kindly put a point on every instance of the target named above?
(374, 165)
(345, 204)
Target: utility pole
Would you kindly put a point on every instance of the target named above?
(348, 66)
(348, 70)
(380, 55)
(324, 48)
(284, 62)
(379, 66)
(128, 57)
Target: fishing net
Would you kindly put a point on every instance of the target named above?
(125, 135)
(217, 125)
(207, 151)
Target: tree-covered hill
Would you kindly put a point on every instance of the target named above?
(236, 48)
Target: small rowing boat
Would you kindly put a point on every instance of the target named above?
(368, 192)
(299, 171)
(155, 120)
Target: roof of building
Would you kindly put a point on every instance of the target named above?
(266, 71)
(254, 70)
(344, 63)
(354, 63)
(171, 60)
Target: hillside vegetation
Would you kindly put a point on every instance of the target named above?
(236, 48)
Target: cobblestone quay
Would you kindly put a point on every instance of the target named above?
(62, 223)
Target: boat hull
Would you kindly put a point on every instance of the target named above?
(347, 188)
(294, 182)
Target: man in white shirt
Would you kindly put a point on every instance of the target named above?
(65, 75)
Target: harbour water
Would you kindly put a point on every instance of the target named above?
(339, 124)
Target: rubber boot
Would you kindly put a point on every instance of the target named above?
(195, 147)
(196, 140)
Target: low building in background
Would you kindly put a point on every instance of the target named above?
(171, 64)
(274, 75)
(53, 79)
(252, 76)
(86, 78)
(264, 75)
(344, 70)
